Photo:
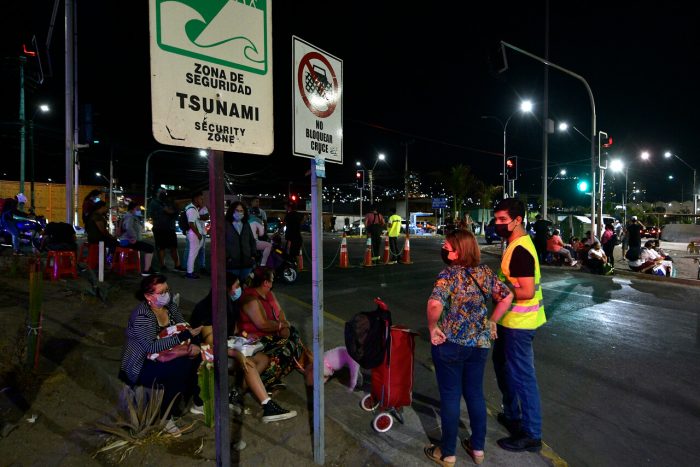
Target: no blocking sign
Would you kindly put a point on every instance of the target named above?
(318, 105)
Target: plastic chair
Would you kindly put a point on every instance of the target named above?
(89, 254)
(61, 263)
(125, 260)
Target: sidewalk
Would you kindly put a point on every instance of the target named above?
(81, 349)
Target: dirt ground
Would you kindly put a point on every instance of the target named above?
(48, 417)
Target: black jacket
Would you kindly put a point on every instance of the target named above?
(240, 248)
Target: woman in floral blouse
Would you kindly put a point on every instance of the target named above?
(460, 334)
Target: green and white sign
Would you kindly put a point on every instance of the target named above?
(211, 74)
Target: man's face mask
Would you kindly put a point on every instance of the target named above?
(502, 230)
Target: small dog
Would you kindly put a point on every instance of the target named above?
(693, 249)
(337, 358)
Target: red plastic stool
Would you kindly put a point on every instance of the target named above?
(90, 254)
(61, 263)
(126, 259)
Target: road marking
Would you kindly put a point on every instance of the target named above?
(326, 314)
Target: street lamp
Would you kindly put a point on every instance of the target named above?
(668, 155)
(617, 165)
(43, 108)
(562, 172)
(525, 107)
(370, 172)
(202, 153)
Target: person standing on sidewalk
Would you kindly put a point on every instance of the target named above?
(195, 234)
(513, 355)
(394, 231)
(374, 222)
(460, 333)
(164, 215)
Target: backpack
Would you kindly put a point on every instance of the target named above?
(367, 336)
(182, 221)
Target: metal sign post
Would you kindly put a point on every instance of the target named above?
(317, 79)
(317, 302)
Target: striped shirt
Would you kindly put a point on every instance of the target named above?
(142, 338)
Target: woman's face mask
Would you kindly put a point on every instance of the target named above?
(161, 299)
(237, 216)
(236, 294)
(138, 213)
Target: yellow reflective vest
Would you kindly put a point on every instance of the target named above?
(523, 314)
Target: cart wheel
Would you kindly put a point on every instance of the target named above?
(382, 422)
(368, 404)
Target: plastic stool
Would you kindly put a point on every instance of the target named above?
(61, 263)
(90, 254)
(126, 259)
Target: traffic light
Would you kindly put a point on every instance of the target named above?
(512, 168)
(605, 142)
(293, 198)
(360, 179)
(582, 186)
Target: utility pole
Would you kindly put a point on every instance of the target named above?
(68, 87)
(545, 111)
(23, 122)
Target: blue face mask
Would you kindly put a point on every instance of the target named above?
(97, 199)
(236, 294)
(138, 213)
(237, 216)
(162, 300)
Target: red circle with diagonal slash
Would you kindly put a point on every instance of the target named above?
(305, 64)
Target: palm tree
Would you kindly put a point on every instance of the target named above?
(486, 194)
(459, 182)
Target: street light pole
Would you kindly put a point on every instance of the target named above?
(668, 154)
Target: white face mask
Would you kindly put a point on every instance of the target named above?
(161, 300)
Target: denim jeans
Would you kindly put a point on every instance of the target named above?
(460, 372)
(514, 363)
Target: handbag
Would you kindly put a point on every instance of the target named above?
(477, 284)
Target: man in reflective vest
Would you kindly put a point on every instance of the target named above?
(513, 356)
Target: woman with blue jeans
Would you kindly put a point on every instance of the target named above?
(460, 334)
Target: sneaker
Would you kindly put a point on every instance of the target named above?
(274, 413)
(520, 443)
(197, 409)
(191, 275)
(172, 429)
(239, 446)
(573, 263)
(150, 272)
(235, 401)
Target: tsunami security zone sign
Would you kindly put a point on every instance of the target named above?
(211, 74)
(317, 94)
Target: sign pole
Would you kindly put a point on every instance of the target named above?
(317, 297)
(218, 297)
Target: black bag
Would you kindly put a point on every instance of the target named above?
(367, 336)
(182, 221)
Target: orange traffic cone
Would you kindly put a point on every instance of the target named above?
(368, 254)
(406, 258)
(344, 261)
(300, 262)
(387, 257)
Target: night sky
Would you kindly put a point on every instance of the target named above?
(423, 73)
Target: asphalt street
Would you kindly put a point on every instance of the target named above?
(617, 362)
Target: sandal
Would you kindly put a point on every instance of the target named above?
(430, 452)
(467, 445)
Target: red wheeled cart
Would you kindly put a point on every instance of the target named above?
(392, 381)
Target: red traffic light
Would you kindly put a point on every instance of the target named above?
(608, 143)
(28, 53)
(358, 174)
(293, 197)
(509, 163)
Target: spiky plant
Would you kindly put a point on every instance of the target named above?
(138, 421)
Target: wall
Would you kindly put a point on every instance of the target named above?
(683, 233)
(49, 198)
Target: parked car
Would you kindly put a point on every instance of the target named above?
(490, 232)
(650, 231)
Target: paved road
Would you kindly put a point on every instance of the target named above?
(618, 361)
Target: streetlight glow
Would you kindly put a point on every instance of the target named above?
(44, 108)
(563, 126)
(203, 153)
(670, 177)
(645, 155)
(616, 165)
(562, 172)
(99, 174)
(381, 157)
(667, 154)
(526, 106)
(358, 164)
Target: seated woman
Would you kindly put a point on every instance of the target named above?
(177, 375)
(96, 227)
(132, 235)
(555, 245)
(251, 366)
(597, 259)
(264, 318)
(657, 263)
